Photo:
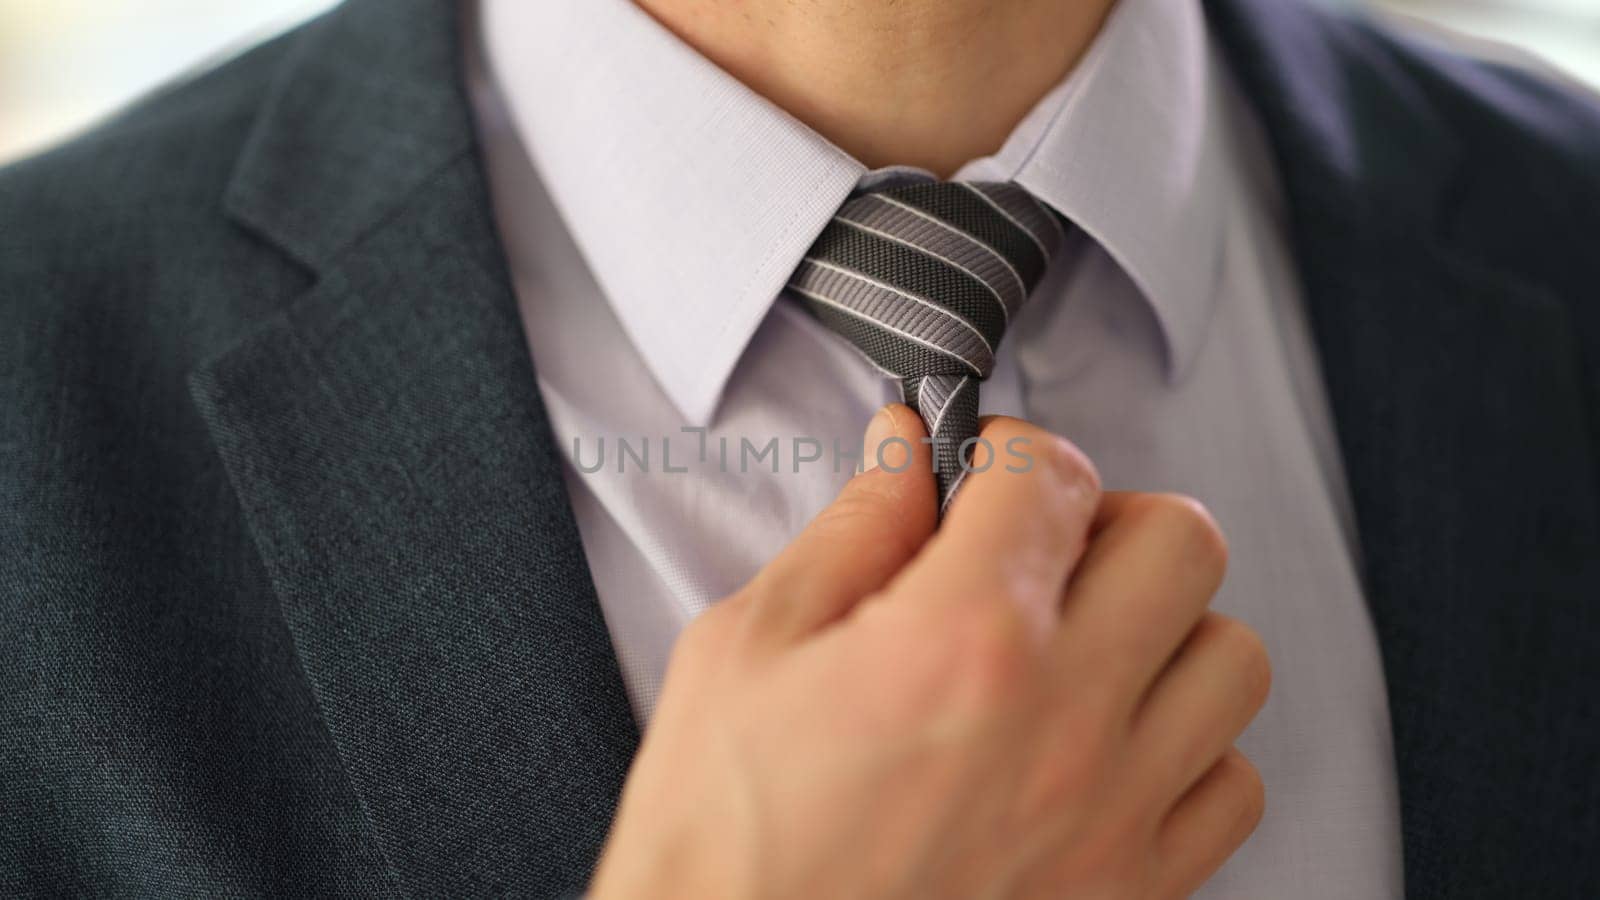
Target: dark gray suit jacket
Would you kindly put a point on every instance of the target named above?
(291, 597)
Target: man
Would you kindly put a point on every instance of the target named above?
(312, 586)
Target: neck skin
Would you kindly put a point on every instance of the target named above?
(929, 83)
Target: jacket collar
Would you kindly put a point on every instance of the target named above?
(367, 107)
(387, 443)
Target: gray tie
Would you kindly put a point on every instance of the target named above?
(924, 279)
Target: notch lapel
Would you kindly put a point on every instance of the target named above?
(386, 439)
(1457, 394)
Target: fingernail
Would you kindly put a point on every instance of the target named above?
(880, 429)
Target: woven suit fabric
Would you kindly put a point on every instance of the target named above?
(924, 279)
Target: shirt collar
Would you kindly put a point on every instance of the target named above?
(1128, 147)
(693, 198)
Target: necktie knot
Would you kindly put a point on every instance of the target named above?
(924, 279)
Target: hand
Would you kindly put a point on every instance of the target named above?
(1031, 702)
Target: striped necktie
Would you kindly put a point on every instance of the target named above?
(923, 279)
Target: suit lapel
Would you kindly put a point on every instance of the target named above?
(1458, 399)
(387, 442)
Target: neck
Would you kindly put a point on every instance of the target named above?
(929, 83)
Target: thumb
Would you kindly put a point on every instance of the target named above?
(871, 530)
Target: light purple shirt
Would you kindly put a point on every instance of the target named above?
(652, 207)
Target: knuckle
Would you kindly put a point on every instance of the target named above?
(1044, 453)
(1191, 526)
(1251, 790)
(706, 637)
(1066, 489)
(1069, 466)
(1248, 652)
(713, 626)
(992, 649)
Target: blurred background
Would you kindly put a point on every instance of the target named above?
(64, 63)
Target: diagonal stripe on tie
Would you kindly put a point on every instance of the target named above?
(923, 279)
